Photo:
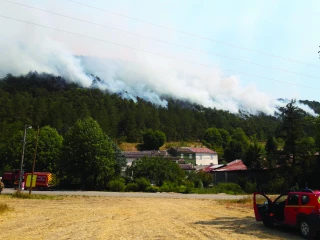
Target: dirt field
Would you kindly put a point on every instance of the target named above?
(79, 217)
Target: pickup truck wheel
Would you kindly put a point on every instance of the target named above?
(304, 228)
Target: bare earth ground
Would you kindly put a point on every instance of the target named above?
(81, 217)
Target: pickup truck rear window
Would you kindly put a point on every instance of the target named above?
(305, 199)
(293, 199)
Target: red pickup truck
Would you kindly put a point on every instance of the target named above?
(297, 208)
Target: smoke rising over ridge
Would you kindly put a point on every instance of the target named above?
(144, 78)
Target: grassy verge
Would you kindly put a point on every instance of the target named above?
(244, 200)
(19, 194)
(228, 188)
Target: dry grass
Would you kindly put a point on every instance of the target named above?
(80, 217)
(125, 146)
(19, 194)
(128, 146)
(3, 207)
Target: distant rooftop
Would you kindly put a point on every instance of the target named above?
(236, 165)
(140, 154)
(195, 150)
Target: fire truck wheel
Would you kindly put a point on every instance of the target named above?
(304, 228)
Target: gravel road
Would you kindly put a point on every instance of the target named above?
(132, 194)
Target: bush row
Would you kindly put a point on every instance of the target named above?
(143, 185)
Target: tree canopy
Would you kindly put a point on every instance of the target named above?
(88, 155)
(157, 170)
(153, 140)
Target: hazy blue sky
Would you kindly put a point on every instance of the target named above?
(287, 29)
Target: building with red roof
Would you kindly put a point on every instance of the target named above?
(195, 156)
(235, 170)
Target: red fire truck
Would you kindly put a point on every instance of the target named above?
(9, 178)
(41, 180)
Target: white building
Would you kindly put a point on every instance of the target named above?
(196, 156)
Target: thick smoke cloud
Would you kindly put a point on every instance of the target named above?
(144, 78)
(46, 56)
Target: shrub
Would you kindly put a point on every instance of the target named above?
(250, 187)
(246, 185)
(205, 178)
(278, 185)
(117, 185)
(132, 187)
(168, 187)
(187, 187)
(142, 184)
(229, 188)
(182, 189)
(205, 190)
(152, 189)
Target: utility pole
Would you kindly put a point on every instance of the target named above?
(34, 160)
(22, 157)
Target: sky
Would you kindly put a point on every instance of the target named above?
(227, 54)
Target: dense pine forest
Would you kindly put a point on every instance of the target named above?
(289, 138)
(41, 99)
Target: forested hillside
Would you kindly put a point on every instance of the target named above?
(55, 106)
(48, 100)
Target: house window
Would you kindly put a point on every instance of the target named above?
(181, 155)
(211, 157)
(200, 157)
(190, 156)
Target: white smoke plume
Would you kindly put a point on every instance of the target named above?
(143, 78)
(46, 56)
(306, 108)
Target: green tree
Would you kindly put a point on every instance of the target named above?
(212, 138)
(226, 138)
(200, 179)
(234, 150)
(291, 127)
(89, 158)
(49, 150)
(271, 145)
(254, 156)
(291, 130)
(271, 148)
(120, 159)
(12, 148)
(240, 136)
(153, 140)
(156, 170)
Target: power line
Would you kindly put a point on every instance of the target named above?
(157, 54)
(154, 39)
(194, 35)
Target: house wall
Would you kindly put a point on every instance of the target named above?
(203, 159)
(187, 157)
(129, 161)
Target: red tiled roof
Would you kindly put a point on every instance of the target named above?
(236, 165)
(206, 169)
(202, 150)
(195, 150)
(212, 167)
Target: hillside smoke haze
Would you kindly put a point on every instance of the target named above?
(145, 79)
